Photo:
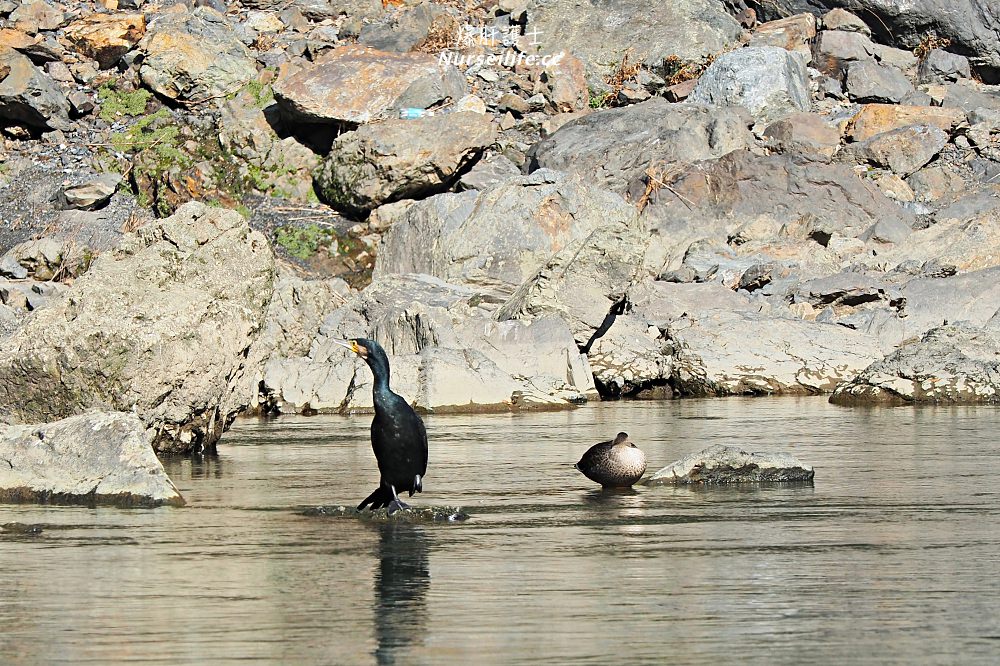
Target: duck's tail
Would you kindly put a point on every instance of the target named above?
(381, 497)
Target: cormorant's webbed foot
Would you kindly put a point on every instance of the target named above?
(397, 505)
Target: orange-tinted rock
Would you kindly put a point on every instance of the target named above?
(358, 84)
(795, 33)
(106, 37)
(874, 119)
(16, 39)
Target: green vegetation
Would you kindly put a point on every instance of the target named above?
(303, 242)
(599, 100)
(115, 102)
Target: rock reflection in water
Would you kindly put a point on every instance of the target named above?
(401, 584)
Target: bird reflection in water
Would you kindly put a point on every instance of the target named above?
(401, 584)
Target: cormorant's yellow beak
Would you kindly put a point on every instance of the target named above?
(350, 344)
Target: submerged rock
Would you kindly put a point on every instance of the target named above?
(721, 464)
(95, 458)
(430, 514)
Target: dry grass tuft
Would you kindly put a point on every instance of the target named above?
(443, 34)
(928, 43)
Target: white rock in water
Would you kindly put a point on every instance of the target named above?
(731, 464)
(100, 457)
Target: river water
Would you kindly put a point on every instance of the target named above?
(891, 556)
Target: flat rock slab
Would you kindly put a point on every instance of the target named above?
(721, 464)
(415, 515)
(357, 85)
(95, 458)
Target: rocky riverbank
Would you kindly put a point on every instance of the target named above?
(531, 205)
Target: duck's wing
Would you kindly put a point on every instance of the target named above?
(594, 454)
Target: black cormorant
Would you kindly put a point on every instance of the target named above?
(399, 438)
(616, 463)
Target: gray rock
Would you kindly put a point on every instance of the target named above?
(769, 82)
(835, 50)
(847, 288)
(600, 34)
(213, 62)
(42, 257)
(869, 82)
(887, 231)
(966, 238)
(10, 319)
(949, 364)
(488, 172)
(28, 96)
(940, 65)
(92, 193)
(904, 150)
(94, 458)
(10, 267)
(356, 85)
(732, 353)
(841, 19)
(973, 26)
(583, 281)
(731, 464)
(630, 357)
(496, 239)
(970, 97)
(400, 159)
(810, 200)
(404, 32)
(612, 147)
(158, 326)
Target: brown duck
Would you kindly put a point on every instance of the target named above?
(616, 463)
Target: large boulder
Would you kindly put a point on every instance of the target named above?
(194, 56)
(768, 81)
(721, 353)
(732, 464)
(398, 159)
(950, 364)
(355, 84)
(28, 96)
(159, 326)
(447, 354)
(602, 31)
(94, 458)
(613, 147)
(585, 282)
(499, 237)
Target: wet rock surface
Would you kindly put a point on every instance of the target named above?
(721, 464)
(94, 458)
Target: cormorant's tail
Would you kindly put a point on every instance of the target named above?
(381, 497)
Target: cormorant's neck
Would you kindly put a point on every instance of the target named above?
(380, 371)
